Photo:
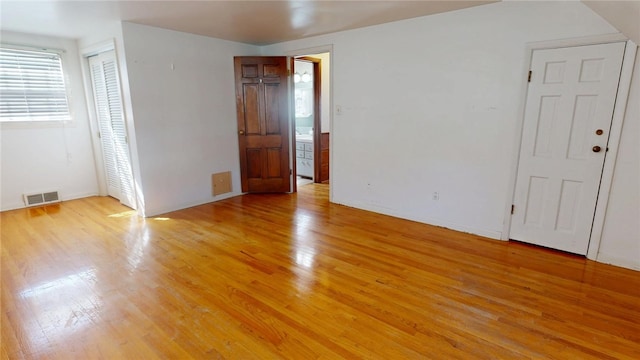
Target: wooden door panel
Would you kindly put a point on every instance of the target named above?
(324, 158)
(272, 106)
(264, 185)
(249, 71)
(273, 163)
(271, 71)
(254, 163)
(266, 141)
(263, 123)
(251, 109)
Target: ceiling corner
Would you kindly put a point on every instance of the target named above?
(623, 15)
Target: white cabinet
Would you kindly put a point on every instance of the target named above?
(304, 158)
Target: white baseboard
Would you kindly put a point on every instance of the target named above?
(156, 212)
(616, 261)
(492, 234)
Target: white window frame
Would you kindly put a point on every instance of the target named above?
(60, 78)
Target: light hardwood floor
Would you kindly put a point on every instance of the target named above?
(292, 276)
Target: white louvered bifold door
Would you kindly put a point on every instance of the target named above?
(113, 133)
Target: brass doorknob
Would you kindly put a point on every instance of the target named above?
(599, 132)
(596, 148)
(241, 132)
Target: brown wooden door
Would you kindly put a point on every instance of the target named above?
(263, 123)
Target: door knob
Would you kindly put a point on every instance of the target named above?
(241, 132)
(596, 148)
(599, 132)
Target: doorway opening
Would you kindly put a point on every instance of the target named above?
(312, 118)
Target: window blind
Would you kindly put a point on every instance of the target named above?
(32, 86)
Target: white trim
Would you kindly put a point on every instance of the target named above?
(311, 50)
(398, 213)
(615, 133)
(98, 48)
(582, 41)
(33, 48)
(164, 210)
(517, 141)
(614, 139)
(620, 262)
(292, 125)
(85, 53)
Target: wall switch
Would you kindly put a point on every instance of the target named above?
(338, 109)
(435, 196)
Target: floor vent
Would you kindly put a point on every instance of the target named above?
(42, 198)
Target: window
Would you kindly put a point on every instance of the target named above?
(32, 86)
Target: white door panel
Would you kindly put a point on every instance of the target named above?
(571, 95)
(113, 135)
(104, 125)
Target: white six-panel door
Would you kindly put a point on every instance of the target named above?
(567, 119)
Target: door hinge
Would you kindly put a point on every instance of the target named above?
(288, 72)
(290, 171)
(99, 135)
(529, 76)
(513, 209)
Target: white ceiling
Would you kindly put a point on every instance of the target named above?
(254, 22)
(624, 15)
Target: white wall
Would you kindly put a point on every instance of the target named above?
(620, 243)
(182, 94)
(430, 104)
(46, 157)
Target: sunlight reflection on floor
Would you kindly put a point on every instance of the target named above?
(65, 306)
(124, 214)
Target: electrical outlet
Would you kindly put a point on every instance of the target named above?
(435, 195)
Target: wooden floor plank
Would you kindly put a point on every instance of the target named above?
(293, 276)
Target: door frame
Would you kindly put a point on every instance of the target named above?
(303, 52)
(614, 135)
(93, 117)
(317, 125)
(94, 126)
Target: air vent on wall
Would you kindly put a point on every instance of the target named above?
(41, 198)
